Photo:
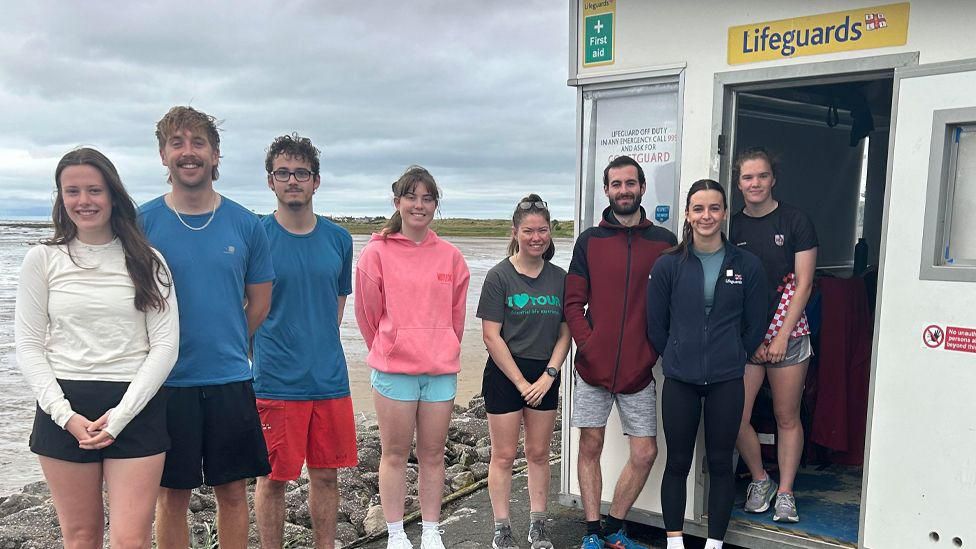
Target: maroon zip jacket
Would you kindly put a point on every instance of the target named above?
(608, 276)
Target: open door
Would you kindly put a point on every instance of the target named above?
(920, 473)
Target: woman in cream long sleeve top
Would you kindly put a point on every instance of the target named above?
(97, 332)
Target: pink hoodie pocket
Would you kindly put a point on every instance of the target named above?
(425, 351)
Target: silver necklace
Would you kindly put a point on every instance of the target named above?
(213, 211)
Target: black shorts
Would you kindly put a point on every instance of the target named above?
(216, 435)
(501, 396)
(144, 436)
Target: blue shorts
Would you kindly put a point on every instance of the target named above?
(423, 387)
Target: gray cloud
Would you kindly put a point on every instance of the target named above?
(473, 91)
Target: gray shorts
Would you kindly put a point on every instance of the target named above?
(637, 411)
(797, 350)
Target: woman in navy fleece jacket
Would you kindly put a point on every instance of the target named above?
(706, 315)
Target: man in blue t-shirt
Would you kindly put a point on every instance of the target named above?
(221, 264)
(300, 372)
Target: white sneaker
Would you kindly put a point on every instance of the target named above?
(431, 539)
(398, 540)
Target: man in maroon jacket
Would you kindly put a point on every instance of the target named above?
(605, 307)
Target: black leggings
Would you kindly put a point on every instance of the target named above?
(681, 407)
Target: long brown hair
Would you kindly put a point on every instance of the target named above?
(407, 183)
(687, 233)
(144, 266)
(520, 214)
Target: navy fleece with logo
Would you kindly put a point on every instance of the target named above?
(606, 292)
(698, 348)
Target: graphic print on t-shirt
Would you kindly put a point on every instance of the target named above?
(525, 304)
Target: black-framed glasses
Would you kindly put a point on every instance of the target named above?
(282, 175)
(529, 204)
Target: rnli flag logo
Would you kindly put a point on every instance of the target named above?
(779, 239)
(873, 21)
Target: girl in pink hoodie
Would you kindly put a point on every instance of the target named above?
(411, 288)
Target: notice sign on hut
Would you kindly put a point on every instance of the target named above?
(859, 29)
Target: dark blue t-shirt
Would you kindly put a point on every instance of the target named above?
(297, 351)
(210, 269)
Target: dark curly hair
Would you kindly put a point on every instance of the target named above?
(295, 146)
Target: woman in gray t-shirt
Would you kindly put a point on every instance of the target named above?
(521, 309)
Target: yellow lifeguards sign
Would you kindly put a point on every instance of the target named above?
(859, 29)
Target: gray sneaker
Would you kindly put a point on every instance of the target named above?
(759, 494)
(503, 539)
(538, 536)
(785, 509)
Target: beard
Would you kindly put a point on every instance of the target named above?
(626, 210)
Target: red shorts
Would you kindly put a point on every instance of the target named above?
(321, 432)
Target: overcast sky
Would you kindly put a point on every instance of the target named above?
(474, 91)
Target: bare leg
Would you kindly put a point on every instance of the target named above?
(323, 505)
(397, 421)
(172, 531)
(588, 470)
(787, 384)
(77, 492)
(504, 431)
(748, 441)
(538, 436)
(232, 514)
(133, 485)
(433, 421)
(643, 452)
(269, 509)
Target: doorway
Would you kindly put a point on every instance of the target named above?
(829, 134)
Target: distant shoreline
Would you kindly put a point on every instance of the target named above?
(368, 225)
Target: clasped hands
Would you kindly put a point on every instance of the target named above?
(90, 434)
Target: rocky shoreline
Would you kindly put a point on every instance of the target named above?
(28, 519)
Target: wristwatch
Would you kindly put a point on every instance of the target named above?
(552, 371)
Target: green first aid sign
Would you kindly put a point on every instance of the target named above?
(598, 39)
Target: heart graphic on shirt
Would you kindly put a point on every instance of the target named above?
(521, 300)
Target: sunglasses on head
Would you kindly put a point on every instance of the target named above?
(529, 204)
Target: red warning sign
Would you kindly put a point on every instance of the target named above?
(933, 336)
(960, 339)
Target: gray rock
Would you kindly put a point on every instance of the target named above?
(468, 456)
(369, 459)
(484, 442)
(484, 454)
(297, 536)
(375, 523)
(201, 502)
(39, 518)
(478, 411)
(346, 533)
(453, 471)
(458, 409)
(468, 430)
(18, 502)
(556, 446)
(299, 515)
(479, 470)
(462, 480)
(39, 488)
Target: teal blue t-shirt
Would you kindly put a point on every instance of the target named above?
(297, 351)
(210, 269)
(712, 265)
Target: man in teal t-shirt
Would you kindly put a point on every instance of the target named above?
(218, 254)
(300, 375)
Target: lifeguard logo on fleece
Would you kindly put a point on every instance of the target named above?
(859, 29)
(732, 277)
(779, 239)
